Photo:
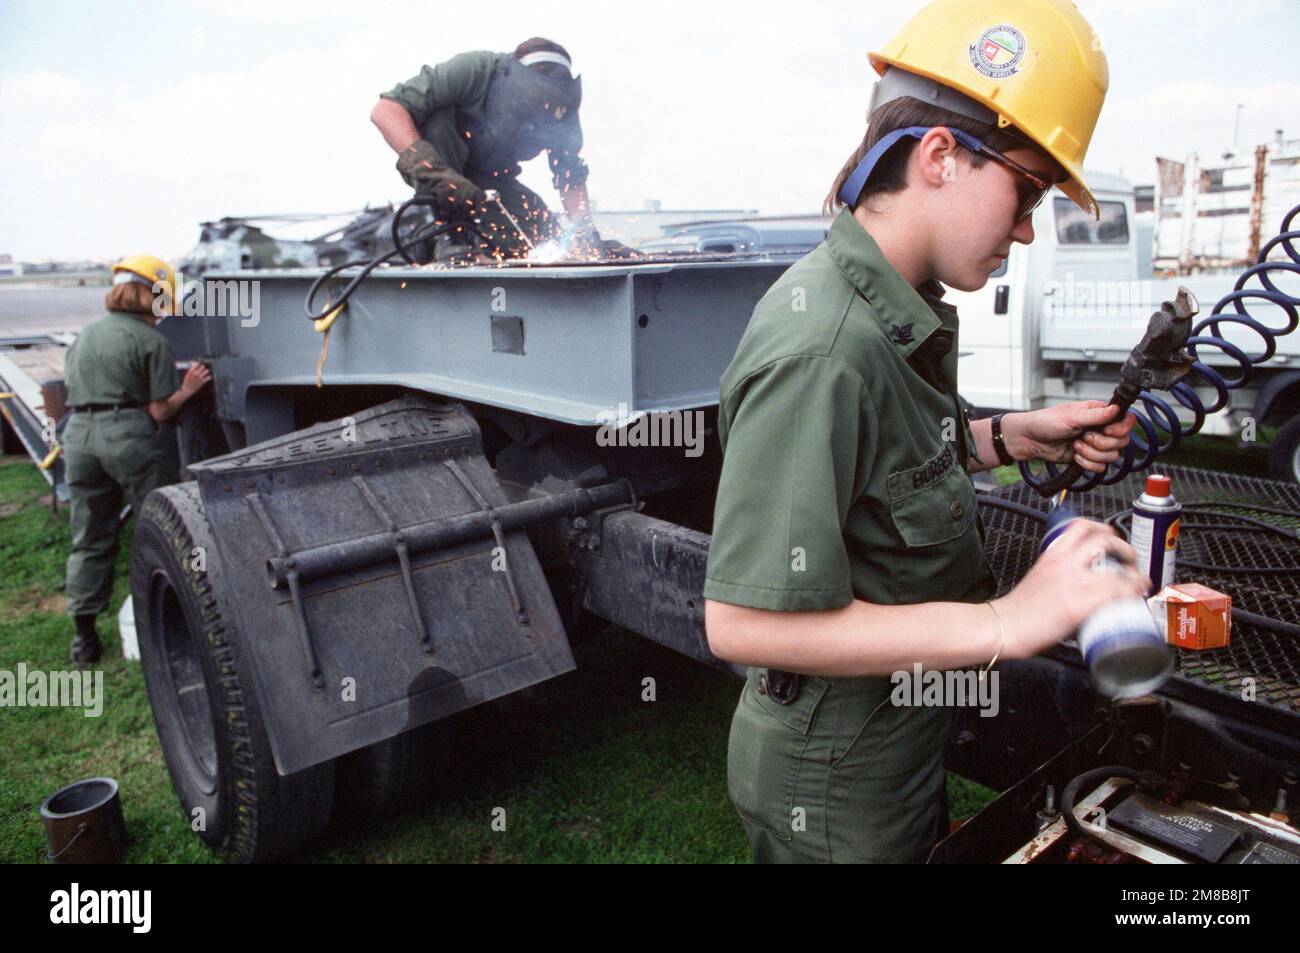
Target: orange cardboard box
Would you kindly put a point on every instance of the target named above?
(1192, 616)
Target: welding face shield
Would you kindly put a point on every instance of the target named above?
(528, 111)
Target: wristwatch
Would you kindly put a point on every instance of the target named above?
(999, 444)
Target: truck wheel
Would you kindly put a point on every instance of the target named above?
(1284, 452)
(394, 773)
(204, 704)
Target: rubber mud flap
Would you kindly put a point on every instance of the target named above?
(363, 628)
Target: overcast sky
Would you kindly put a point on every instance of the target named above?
(123, 125)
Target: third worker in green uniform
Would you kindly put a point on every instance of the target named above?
(846, 543)
(122, 382)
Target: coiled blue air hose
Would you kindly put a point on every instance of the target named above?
(1156, 414)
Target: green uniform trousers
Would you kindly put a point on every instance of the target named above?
(841, 775)
(109, 456)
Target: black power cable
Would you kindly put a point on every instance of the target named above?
(1252, 525)
(400, 249)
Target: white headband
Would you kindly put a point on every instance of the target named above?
(546, 56)
(127, 277)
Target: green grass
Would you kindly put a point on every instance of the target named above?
(583, 768)
(46, 748)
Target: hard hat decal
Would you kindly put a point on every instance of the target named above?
(998, 51)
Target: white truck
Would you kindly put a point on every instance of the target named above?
(1058, 319)
(1060, 316)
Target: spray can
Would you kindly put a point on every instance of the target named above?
(1120, 644)
(1155, 531)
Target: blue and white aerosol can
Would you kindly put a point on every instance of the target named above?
(1120, 644)
(1155, 531)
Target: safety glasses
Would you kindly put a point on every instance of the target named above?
(1030, 186)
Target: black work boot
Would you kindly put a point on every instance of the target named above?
(86, 649)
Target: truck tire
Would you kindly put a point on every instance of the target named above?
(1284, 452)
(393, 774)
(200, 687)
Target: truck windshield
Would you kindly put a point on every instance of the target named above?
(1073, 227)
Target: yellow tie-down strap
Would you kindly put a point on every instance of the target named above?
(324, 324)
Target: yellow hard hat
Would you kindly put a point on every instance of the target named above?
(148, 270)
(1036, 64)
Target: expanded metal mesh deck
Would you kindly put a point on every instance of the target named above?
(1218, 537)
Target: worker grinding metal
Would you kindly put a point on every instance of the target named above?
(122, 382)
(846, 542)
(462, 127)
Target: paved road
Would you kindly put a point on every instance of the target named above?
(41, 309)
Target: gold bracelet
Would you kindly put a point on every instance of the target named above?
(1001, 641)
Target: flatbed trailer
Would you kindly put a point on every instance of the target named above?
(417, 514)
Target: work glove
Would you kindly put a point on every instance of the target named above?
(457, 200)
(590, 243)
(609, 248)
(587, 241)
(423, 169)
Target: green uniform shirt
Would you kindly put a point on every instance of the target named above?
(844, 476)
(447, 104)
(119, 359)
(845, 447)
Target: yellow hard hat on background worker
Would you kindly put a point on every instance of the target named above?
(1036, 64)
(151, 271)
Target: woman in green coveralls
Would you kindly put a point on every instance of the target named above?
(846, 542)
(122, 382)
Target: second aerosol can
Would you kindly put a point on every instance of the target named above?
(1155, 531)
